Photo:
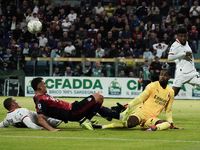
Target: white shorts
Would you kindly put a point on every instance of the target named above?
(192, 78)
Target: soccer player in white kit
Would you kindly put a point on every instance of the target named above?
(22, 117)
(181, 53)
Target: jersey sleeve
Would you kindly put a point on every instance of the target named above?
(4, 124)
(27, 121)
(41, 107)
(149, 88)
(175, 54)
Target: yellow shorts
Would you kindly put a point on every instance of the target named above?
(145, 118)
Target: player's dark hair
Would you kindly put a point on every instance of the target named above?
(35, 82)
(166, 70)
(7, 103)
(181, 31)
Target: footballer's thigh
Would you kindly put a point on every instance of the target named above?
(195, 80)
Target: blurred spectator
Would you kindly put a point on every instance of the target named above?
(80, 50)
(82, 16)
(145, 75)
(118, 28)
(96, 70)
(72, 16)
(49, 16)
(68, 72)
(57, 34)
(110, 10)
(165, 39)
(149, 26)
(72, 33)
(164, 24)
(42, 40)
(55, 23)
(69, 49)
(55, 9)
(1, 52)
(141, 11)
(87, 23)
(36, 6)
(58, 51)
(134, 22)
(57, 72)
(64, 40)
(127, 15)
(35, 51)
(61, 15)
(160, 48)
(131, 74)
(164, 9)
(18, 59)
(185, 9)
(88, 9)
(19, 15)
(127, 49)
(66, 7)
(126, 34)
(91, 51)
(113, 53)
(32, 17)
(179, 19)
(8, 13)
(170, 16)
(77, 70)
(93, 15)
(99, 8)
(157, 18)
(107, 24)
(97, 22)
(193, 39)
(40, 14)
(26, 50)
(24, 7)
(195, 10)
(138, 48)
(4, 26)
(46, 6)
(66, 24)
(148, 54)
(175, 24)
(87, 70)
(187, 24)
(107, 41)
(77, 9)
(197, 24)
(170, 31)
(155, 68)
(122, 74)
(13, 23)
(16, 33)
(7, 60)
(119, 11)
(26, 35)
(108, 71)
(51, 42)
(118, 44)
(137, 31)
(153, 8)
(23, 23)
(99, 52)
(81, 33)
(91, 34)
(102, 32)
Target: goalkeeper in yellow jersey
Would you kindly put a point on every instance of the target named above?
(156, 96)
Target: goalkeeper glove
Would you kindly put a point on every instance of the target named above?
(173, 127)
(119, 108)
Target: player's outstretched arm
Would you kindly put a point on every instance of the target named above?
(43, 123)
(4, 124)
(27, 121)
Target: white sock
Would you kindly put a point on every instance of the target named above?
(87, 120)
(120, 116)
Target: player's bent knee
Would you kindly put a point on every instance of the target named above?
(98, 97)
(132, 122)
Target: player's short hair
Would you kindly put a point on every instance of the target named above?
(166, 70)
(7, 103)
(35, 82)
(181, 31)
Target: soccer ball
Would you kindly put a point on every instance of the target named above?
(34, 26)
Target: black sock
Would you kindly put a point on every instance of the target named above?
(106, 112)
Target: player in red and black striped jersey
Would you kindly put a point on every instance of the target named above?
(82, 111)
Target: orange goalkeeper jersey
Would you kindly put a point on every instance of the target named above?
(158, 98)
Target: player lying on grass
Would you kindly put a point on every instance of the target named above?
(157, 96)
(22, 117)
(82, 111)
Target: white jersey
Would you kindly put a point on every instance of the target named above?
(22, 117)
(177, 53)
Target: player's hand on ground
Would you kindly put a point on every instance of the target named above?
(188, 54)
(55, 130)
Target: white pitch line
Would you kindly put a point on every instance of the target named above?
(109, 139)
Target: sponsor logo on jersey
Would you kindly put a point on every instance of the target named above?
(89, 99)
(39, 106)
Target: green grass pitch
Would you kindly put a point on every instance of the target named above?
(186, 114)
